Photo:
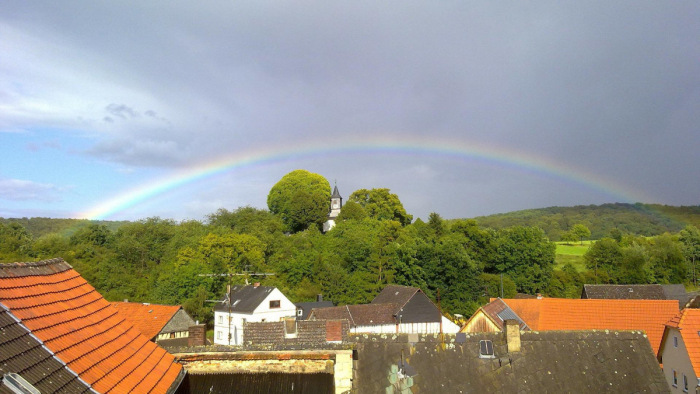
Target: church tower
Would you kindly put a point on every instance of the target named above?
(336, 204)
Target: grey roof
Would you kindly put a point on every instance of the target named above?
(499, 312)
(244, 299)
(548, 362)
(24, 354)
(335, 194)
(181, 321)
(306, 307)
(358, 315)
(624, 292)
(395, 294)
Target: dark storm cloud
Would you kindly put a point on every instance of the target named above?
(611, 89)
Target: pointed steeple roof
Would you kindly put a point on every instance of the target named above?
(335, 194)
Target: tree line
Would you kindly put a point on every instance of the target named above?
(458, 263)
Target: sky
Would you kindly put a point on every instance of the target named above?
(131, 109)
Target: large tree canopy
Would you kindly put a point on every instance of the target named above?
(301, 199)
(381, 204)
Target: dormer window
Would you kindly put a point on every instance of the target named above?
(274, 304)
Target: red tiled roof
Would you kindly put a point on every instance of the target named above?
(591, 314)
(83, 330)
(688, 323)
(149, 319)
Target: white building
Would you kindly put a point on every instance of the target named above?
(245, 304)
(680, 352)
(336, 205)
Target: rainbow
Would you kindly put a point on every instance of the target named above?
(459, 150)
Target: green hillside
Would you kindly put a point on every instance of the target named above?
(639, 219)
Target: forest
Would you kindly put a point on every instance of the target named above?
(459, 263)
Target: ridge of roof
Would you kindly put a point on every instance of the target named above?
(36, 268)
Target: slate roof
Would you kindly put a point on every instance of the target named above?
(498, 311)
(244, 299)
(82, 330)
(358, 315)
(624, 292)
(306, 307)
(149, 319)
(335, 194)
(688, 323)
(395, 294)
(548, 362)
(585, 314)
(24, 354)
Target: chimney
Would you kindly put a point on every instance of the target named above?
(512, 329)
(256, 284)
(319, 297)
(539, 296)
(126, 300)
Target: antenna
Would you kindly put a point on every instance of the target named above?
(246, 272)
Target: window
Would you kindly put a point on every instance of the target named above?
(221, 319)
(486, 349)
(675, 341)
(300, 312)
(675, 378)
(685, 383)
(218, 335)
(274, 304)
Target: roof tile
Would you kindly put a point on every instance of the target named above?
(79, 326)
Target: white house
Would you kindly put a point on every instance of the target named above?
(250, 303)
(680, 352)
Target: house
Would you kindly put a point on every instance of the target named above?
(680, 351)
(249, 303)
(50, 304)
(639, 292)
(397, 309)
(548, 314)
(415, 312)
(336, 205)
(511, 362)
(304, 308)
(159, 323)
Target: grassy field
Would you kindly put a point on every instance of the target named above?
(571, 253)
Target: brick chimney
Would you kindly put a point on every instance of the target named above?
(197, 335)
(512, 330)
(256, 284)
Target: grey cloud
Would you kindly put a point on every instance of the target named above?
(122, 111)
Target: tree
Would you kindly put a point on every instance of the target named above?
(301, 199)
(526, 255)
(580, 231)
(605, 258)
(382, 205)
(351, 211)
(690, 238)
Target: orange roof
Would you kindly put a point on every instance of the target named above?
(591, 314)
(688, 323)
(84, 331)
(149, 319)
